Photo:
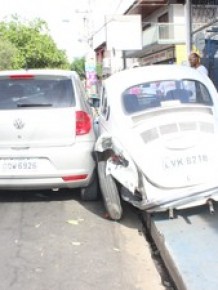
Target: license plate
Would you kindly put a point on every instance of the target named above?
(180, 162)
(18, 164)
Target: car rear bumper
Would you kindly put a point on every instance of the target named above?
(49, 168)
(43, 183)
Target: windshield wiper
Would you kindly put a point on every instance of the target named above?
(33, 105)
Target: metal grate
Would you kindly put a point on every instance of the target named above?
(206, 127)
(150, 135)
(188, 126)
(168, 129)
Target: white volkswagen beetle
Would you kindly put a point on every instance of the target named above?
(157, 145)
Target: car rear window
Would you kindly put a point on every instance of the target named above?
(36, 92)
(155, 94)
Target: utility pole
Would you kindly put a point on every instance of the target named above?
(188, 21)
(90, 61)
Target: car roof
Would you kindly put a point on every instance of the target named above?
(51, 72)
(130, 77)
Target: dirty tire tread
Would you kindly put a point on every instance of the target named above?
(110, 193)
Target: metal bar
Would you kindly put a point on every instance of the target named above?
(205, 26)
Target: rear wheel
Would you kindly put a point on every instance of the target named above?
(109, 192)
(91, 192)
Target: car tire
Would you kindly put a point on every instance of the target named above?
(91, 192)
(109, 192)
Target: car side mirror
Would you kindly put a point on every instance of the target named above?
(94, 102)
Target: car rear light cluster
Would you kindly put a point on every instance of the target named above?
(83, 123)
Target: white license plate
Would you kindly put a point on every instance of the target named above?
(185, 161)
(18, 164)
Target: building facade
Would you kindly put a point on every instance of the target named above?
(169, 30)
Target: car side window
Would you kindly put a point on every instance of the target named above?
(104, 103)
(199, 93)
(204, 94)
(81, 89)
(83, 99)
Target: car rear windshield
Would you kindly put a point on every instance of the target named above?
(36, 92)
(161, 93)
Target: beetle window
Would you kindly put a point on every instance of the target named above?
(154, 94)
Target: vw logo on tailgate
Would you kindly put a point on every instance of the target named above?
(18, 124)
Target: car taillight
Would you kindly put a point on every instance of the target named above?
(83, 123)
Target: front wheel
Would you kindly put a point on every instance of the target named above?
(109, 192)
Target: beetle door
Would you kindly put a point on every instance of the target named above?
(104, 115)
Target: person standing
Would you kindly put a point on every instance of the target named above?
(195, 62)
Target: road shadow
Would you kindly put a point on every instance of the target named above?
(130, 218)
(38, 195)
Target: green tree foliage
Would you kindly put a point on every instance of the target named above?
(8, 54)
(78, 65)
(35, 48)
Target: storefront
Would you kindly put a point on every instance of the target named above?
(175, 54)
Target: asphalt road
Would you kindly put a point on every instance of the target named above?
(52, 241)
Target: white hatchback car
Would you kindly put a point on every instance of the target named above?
(46, 130)
(158, 146)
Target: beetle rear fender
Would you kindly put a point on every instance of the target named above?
(103, 143)
(119, 163)
(124, 171)
(104, 147)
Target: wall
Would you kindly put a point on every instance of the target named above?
(100, 9)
